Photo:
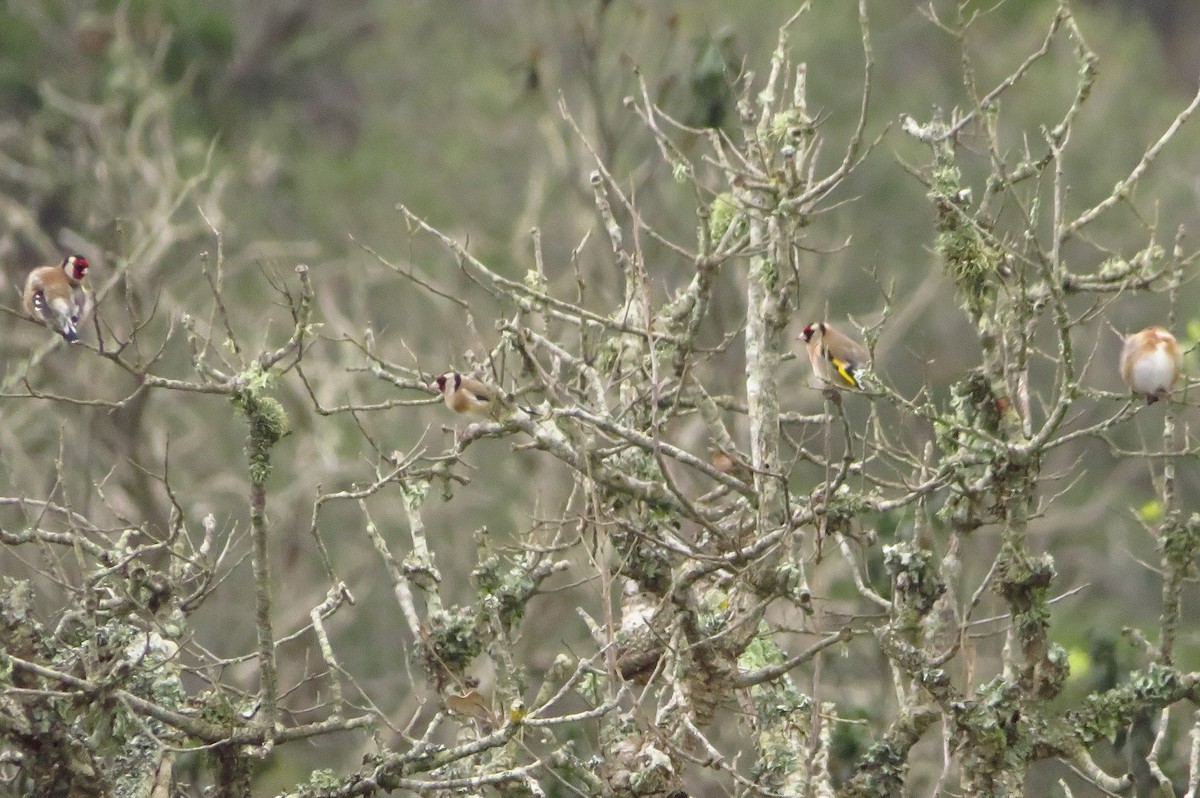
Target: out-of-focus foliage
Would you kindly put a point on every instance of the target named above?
(302, 124)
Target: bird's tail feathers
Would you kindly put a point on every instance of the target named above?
(65, 326)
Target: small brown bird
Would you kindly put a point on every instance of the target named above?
(728, 463)
(56, 296)
(836, 360)
(466, 395)
(1150, 362)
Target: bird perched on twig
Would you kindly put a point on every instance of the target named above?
(730, 463)
(836, 360)
(56, 296)
(1150, 362)
(472, 397)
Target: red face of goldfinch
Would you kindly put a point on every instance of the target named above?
(1150, 362)
(75, 267)
(55, 296)
(836, 359)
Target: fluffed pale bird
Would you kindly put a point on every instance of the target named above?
(56, 296)
(836, 359)
(471, 397)
(1150, 362)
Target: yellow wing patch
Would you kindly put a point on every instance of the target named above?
(845, 370)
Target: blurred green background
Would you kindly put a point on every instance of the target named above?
(310, 121)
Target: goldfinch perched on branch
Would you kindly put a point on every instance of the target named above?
(472, 397)
(1150, 362)
(836, 360)
(56, 297)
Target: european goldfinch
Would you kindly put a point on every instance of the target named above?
(836, 360)
(1150, 362)
(472, 397)
(56, 297)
